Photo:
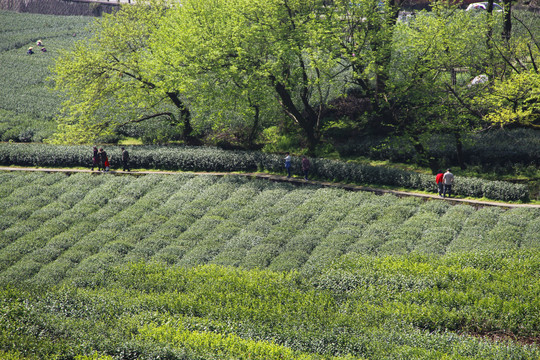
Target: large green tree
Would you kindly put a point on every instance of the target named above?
(281, 48)
(364, 31)
(109, 80)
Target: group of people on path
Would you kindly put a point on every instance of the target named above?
(305, 165)
(444, 183)
(100, 159)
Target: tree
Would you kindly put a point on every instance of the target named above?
(363, 33)
(436, 55)
(230, 112)
(277, 47)
(514, 95)
(109, 80)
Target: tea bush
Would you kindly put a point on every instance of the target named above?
(358, 275)
(210, 159)
(357, 308)
(27, 106)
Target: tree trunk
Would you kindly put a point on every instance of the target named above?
(254, 129)
(307, 119)
(421, 154)
(489, 34)
(384, 55)
(459, 149)
(185, 116)
(423, 157)
(507, 30)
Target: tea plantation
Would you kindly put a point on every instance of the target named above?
(205, 267)
(27, 105)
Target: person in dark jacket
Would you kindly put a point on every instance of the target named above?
(95, 159)
(103, 159)
(125, 159)
(305, 167)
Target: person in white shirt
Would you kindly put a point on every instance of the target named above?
(448, 181)
(288, 164)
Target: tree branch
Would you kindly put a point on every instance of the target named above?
(463, 103)
(148, 117)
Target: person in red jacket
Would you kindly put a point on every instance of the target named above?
(439, 182)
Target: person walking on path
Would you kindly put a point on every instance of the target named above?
(439, 182)
(288, 164)
(99, 160)
(95, 158)
(305, 166)
(448, 180)
(104, 161)
(125, 159)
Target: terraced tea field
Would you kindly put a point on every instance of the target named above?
(206, 267)
(27, 105)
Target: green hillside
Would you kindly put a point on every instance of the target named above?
(206, 267)
(202, 267)
(27, 105)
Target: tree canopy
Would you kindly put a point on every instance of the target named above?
(275, 48)
(109, 81)
(243, 65)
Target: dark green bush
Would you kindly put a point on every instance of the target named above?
(499, 150)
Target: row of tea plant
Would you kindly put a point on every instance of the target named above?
(212, 159)
(361, 307)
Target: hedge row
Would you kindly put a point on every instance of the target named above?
(211, 159)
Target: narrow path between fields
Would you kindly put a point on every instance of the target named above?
(293, 180)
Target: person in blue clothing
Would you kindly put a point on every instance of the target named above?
(288, 164)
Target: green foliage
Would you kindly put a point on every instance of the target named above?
(500, 151)
(515, 100)
(253, 52)
(381, 307)
(210, 159)
(429, 96)
(359, 276)
(109, 80)
(277, 142)
(84, 224)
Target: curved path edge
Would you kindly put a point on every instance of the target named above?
(299, 181)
